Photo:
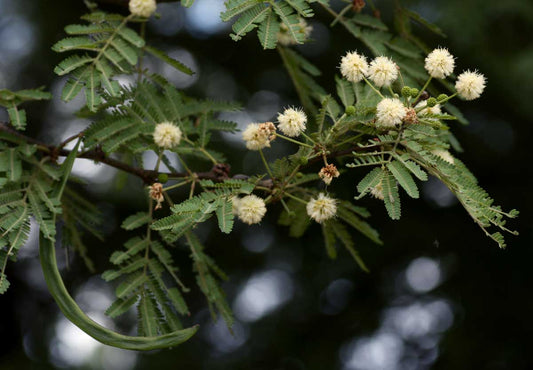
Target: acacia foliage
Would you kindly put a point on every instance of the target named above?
(341, 129)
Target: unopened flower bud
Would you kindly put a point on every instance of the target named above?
(442, 97)
(350, 110)
(431, 102)
(162, 178)
(406, 91)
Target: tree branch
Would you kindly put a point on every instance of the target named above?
(218, 173)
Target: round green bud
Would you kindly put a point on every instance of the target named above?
(303, 161)
(442, 97)
(350, 110)
(162, 178)
(414, 92)
(299, 175)
(431, 102)
(406, 91)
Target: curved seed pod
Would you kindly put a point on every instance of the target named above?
(73, 312)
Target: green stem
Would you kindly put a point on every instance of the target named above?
(350, 139)
(373, 88)
(265, 163)
(206, 153)
(295, 198)
(340, 14)
(158, 163)
(423, 88)
(308, 137)
(294, 141)
(176, 185)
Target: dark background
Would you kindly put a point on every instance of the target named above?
(440, 294)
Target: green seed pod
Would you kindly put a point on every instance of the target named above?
(442, 97)
(350, 110)
(414, 92)
(406, 91)
(162, 178)
(431, 102)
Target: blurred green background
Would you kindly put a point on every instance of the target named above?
(440, 294)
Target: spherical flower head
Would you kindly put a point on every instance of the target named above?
(258, 136)
(470, 85)
(328, 172)
(383, 71)
(142, 8)
(321, 208)
(292, 122)
(440, 63)
(390, 112)
(445, 155)
(354, 67)
(251, 209)
(285, 37)
(435, 110)
(167, 135)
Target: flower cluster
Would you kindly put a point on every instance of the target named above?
(393, 110)
(259, 135)
(292, 122)
(167, 135)
(142, 8)
(250, 209)
(383, 72)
